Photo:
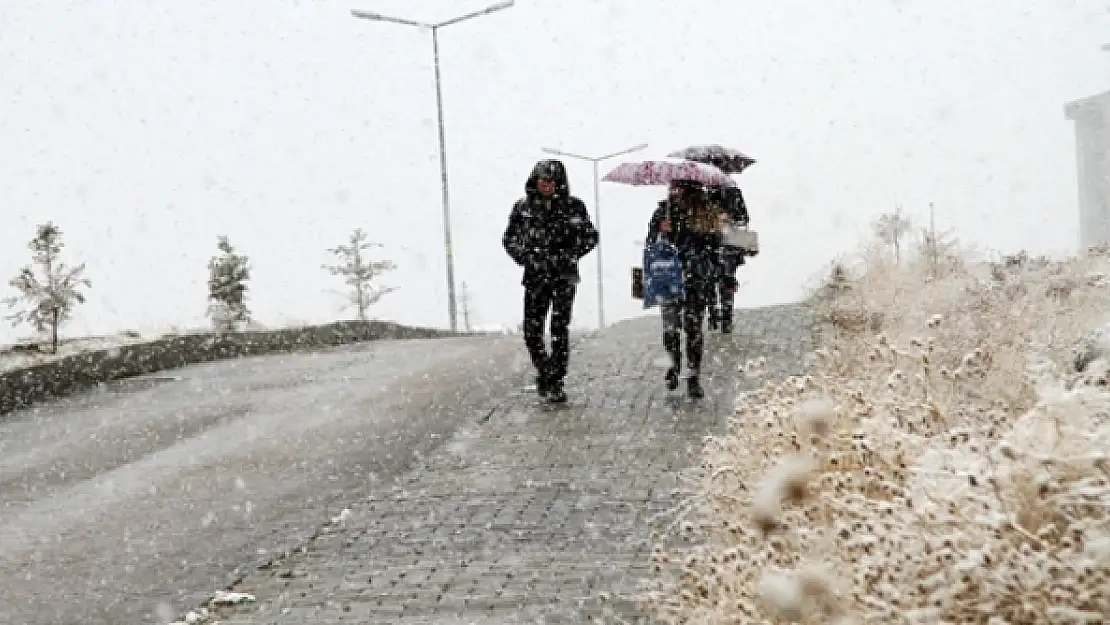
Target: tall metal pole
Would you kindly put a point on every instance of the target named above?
(596, 160)
(447, 247)
(600, 256)
(452, 312)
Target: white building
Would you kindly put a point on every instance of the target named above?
(1092, 141)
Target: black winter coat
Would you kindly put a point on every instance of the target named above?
(548, 237)
(731, 201)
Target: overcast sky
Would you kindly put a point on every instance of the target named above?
(147, 129)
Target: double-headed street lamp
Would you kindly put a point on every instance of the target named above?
(378, 17)
(597, 217)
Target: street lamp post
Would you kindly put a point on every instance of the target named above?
(448, 251)
(595, 160)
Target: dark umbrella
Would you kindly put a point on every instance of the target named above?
(726, 159)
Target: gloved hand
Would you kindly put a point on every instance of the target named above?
(548, 263)
(535, 260)
(559, 263)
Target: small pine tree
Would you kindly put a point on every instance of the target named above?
(359, 273)
(47, 297)
(228, 273)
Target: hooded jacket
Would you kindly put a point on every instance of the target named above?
(548, 236)
(732, 203)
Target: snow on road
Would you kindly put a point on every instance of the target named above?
(142, 494)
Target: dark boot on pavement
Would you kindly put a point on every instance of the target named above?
(555, 393)
(542, 362)
(693, 387)
(671, 378)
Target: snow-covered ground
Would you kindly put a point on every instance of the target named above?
(11, 358)
(492, 328)
(133, 502)
(939, 463)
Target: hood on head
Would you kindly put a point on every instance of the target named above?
(549, 168)
(687, 185)
(681, 188)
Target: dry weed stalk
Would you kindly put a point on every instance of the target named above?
(950, 466)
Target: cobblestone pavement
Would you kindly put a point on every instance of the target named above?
(532, 513)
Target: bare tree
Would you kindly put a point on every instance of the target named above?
(47, 296)
(891, 228)
(228, 274)
(941, 251)
(359, 273)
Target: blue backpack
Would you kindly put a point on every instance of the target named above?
(663, 274)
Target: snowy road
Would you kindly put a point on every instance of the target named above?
(124, 505)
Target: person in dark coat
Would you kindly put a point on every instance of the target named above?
(549, 231)
(692, 224)
(732, 205)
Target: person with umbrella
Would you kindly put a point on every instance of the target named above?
(549, 231)
(691, 223)
(731, 205)
(731, 202)
(691, 227)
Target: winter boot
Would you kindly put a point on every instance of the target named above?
(555, 392)
(542, 386)
(693, 387)
(671, 378)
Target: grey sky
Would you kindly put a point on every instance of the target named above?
(146, 129)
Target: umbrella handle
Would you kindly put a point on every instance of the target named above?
(668, 220)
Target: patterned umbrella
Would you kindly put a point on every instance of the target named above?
(662, 172)
(726, 159)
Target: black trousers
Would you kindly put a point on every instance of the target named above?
(557, 298)
(687, 316)
(726, 282)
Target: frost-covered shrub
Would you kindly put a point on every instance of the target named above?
(944, 460)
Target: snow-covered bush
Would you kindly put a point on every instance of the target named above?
(945, 460)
